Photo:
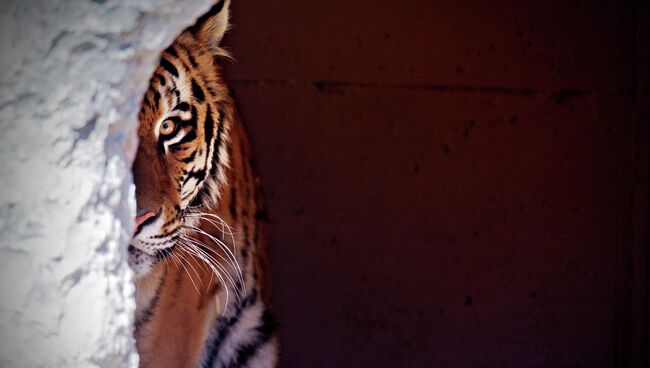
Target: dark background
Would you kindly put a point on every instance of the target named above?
(452, 184)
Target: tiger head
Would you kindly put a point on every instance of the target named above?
(183, 132)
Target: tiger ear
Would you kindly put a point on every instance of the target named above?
(211, 26)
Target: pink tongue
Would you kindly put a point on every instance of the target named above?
(140, 219)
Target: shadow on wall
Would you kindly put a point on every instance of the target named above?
(451, 185)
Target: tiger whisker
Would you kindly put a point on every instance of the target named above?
(210, 264)
(206, 249)
(224, 247)
(215, 271)
(216, 240)
(204, 216)
(223, 227)
(194, 243)
(189, 254)
(191, 266)
(178, 262)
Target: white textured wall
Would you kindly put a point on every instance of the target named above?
(72, 76)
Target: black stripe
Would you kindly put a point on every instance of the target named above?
(190, 158)
(147, 96)
(177, 93)
(192, 60)
(163, 235)
(168, 66)
(171, 51)
(191, 135)
(198, 199)
(222, 326)
(160, 78)
(247, 240)
(199, 175)
(146, 314)
(189, 55)
(208, 127)
(178, 149)
(156, 99)
(183, 106)
(146, 100)
(161, 146)
(197, 91)
(187, 67)
(245, 249)
(264, 332)
(217, 144)
(173, 91)
(233, 202)
(187, 195)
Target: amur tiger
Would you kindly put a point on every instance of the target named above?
(199, 247)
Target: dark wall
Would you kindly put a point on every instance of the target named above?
(451, 185)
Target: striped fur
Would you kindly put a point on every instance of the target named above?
(200, 262)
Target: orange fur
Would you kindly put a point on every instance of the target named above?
(177, 298)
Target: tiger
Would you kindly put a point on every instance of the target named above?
(198, 252)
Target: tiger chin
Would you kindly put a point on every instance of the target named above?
(199, 248)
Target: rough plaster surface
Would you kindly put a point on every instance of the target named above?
(72, 76)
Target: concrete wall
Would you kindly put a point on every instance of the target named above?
(73, 73)
(451, 184)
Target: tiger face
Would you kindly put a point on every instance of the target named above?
(183, 131)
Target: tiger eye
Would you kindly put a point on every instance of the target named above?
(167, 127)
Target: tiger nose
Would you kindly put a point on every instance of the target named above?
(142, 217)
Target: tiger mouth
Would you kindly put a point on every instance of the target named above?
(149, 220)
(154, 246)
